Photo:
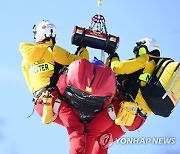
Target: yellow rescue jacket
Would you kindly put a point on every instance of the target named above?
(130, 66)
(39, 61)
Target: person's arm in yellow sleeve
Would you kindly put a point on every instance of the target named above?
(25, 72)
(63, 57)
(128, 66)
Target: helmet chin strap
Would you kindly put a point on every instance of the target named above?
(47, 39)
(50, 38)
(53, 40)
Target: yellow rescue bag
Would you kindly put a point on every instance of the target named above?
(126, 114)
(162, 91)
(47, 116)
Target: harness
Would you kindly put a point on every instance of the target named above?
(38, 93)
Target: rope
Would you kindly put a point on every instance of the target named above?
(99, 6)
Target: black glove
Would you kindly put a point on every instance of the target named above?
(114, 55)
(78, 50)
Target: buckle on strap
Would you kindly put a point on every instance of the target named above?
(56, 106)
(111, 112)
(141, 112)
(38, 93)
(124, 129)
(112, 115)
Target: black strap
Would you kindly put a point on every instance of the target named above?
(52, 47)
(77, 50)
(38, 93)
(159, 66)
(177, 67)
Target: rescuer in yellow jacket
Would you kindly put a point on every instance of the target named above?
(41, 60)
(42, 63)
(139, 69)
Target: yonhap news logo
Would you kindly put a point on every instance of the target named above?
(146, 140)
(106, 140)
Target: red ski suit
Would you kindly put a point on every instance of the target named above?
(94, 76)
(83, 137)
(80, 135)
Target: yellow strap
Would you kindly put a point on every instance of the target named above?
(145, 77)
(162, 67)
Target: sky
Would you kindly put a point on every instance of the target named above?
(131, 20)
